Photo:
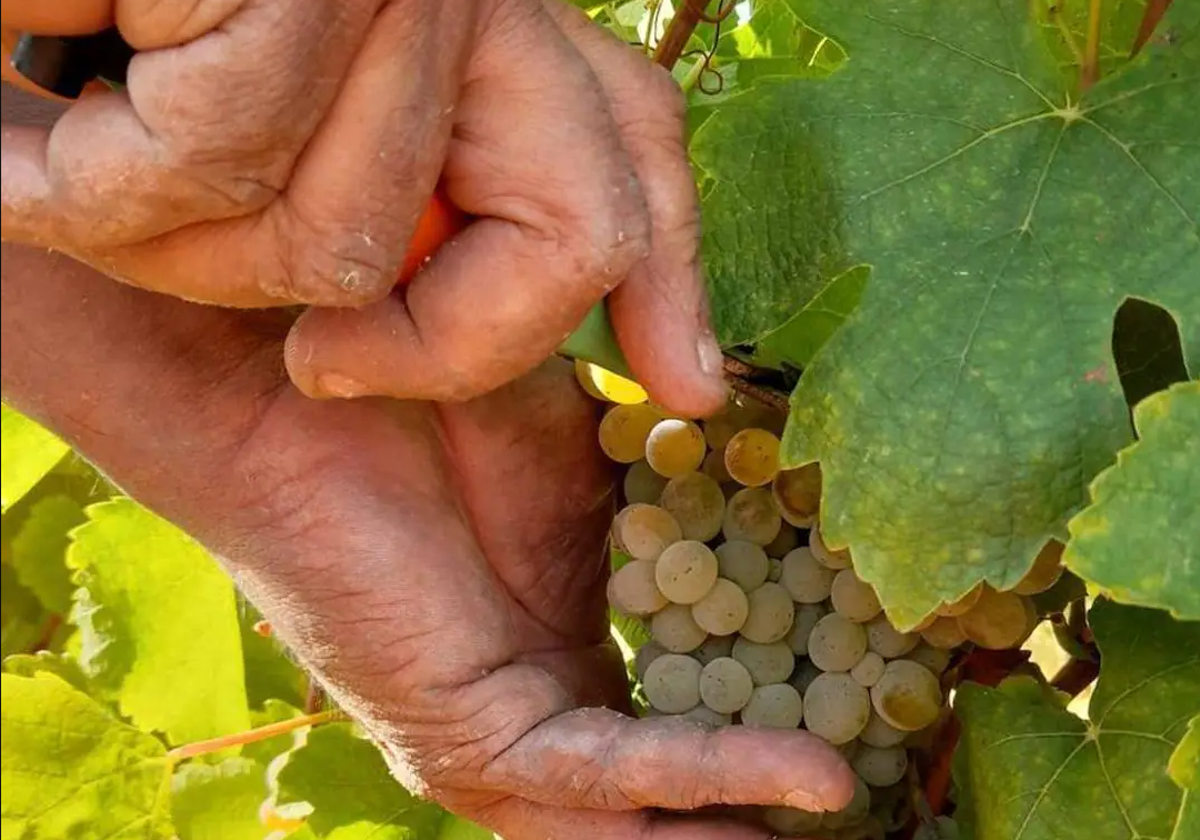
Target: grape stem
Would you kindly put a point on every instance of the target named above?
(1075, 676)
(251, 736)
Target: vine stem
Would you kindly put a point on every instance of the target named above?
(1155, 9)
(679, 30)
(1090, 72)
(251, 736)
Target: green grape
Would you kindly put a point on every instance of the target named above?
(644, 531)
(714, 648)
(907, 696)
(836, 708)
(880, 766)
(854, 598)
(836, 644)
(869, 669)
(886, 640)
(771, 614)
(798, 494)
(686, 571)
(750, 515)
(791, 822)
(944, 633)
(806, 580)
(674, 628)
(726, 685)
(752, 457)
(786, 540)
(642, 485)
(777, 706)
(632, 589)
(672, 683)
(848, 749)
(767, 664)
(999, 620)
(1047, 568)
(625, 429)
(714, 467)
(776, 570)
(804, 675)
(957, 608)
(646, 654)
(935, 659)
(705, 715)
(744, 563)
(807, 616)
(724, 610)
(675, 447)
(836, 560)
(697, 503)
(879, 733)
(854, 813)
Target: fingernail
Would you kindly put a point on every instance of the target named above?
(804, 801)
(336, 385)
(709, 354)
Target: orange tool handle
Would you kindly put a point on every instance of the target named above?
(441, 221)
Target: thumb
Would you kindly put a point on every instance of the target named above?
(63, 17)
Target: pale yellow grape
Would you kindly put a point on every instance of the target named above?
(791, 822)
(705, 715)
(925, 739)
(767, 664)
(798, 494)
(879, 733)
(804, 675)
(935, 659)
(614, 387)
(625, 429)
(869, 669)
(646, 654)
(714, 648)
(887, 641)
(752, 457)
(644, 531)
(675, 447)
(697, 503)
(836, 644)
(907, 696)
(672, 683)
(854, 598)
(998, 621)
(806, 580)
(830, 559)
(714, 467)
(880, 767)
(686, 571)
(744, 563)
(807, 616)
(632, 589)
(723, 610)
(642, 485)
(776, 570)
(720, 427)
(750, 515)
(848, 749)
(1046, 570)
(583, 375)
(726, 685)
(777, 706)
(957, 608)
(787, 539)
(674, 628)
(771, 614)
(836, 708)
(944, 633)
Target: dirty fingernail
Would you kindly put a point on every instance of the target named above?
(339, 386)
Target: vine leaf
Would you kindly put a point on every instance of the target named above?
(797, 341)
(1139, 540)
(71, 769)
(219, 801)
(963, 408)
(21, 613)
(28, 452)
(60, 665)
(39, 550)
(1031, 770)
(1185, 761)
(271, 675)
(158, 624)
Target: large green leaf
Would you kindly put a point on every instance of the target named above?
(962, 410)
(797, 341)
(159, 624)
(1139, 540)
(39, 547)
(270, 673)
(72, 770)
(22, 616)
(27, 452)
(1031, 770)
(219, 801)
(1185, 770)
(59, 665)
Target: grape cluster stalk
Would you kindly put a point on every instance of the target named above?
(755, 620)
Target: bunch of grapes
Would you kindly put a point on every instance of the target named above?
(756, 621)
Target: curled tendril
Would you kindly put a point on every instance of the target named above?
(723, 11)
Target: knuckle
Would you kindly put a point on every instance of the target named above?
(327, 265)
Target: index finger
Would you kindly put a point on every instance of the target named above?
(64, 17)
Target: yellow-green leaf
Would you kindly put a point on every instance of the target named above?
(27, 452)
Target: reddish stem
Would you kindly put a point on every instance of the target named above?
(1155, 9)
(1076, 675)
(53, 623)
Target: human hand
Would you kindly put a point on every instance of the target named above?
(440, 568)
(281, 152)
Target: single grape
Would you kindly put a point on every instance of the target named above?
(854, 598)
(836, 644)
(998, 621)
(686, 571)
(750, 515)
(611, 386)
(879, 733)
(935, 659)
(786, 540)
(633, 591)
(674, 628)
(836, 560)
(775, 573)
(646, 654)
(714, 468)
(806, 580)
(697, 503)
(777, 706)
(625, 429)
(804, 675)
(849, 749)
(798, 494)
(771, 614)
(767, 664)
(705, 715)
(672, 683)
(752, 457)
(791, 822)
(957, 608)
(724, 610)
(907, 696)
(675, 447)
(722, 426)
(869, 669)
(1047, 568)
(726, 685)
(642, 485)
(880, 767)
(744, 563)
(714, 648)
(944, 633)
(807, 616)
(886, 640)
(644, 531)
(836, 708)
